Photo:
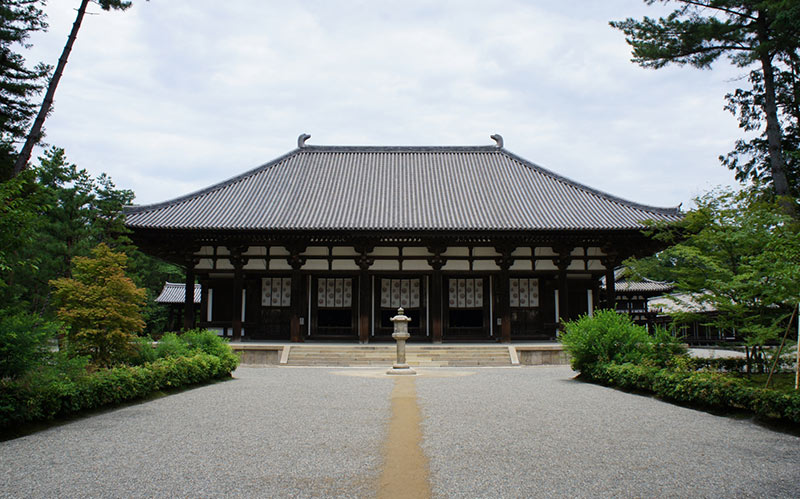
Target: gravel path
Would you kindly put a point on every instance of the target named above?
(269, 433)
(535, 432)
(292, 432)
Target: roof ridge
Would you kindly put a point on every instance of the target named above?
(591, 190)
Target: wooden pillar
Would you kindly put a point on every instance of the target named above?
(364, 305)
(188, 297)
(435, 302)
(504, 304)
(238, 261)
(296, 262)
(563, 295)
(611, 292)
(236, 322)
(563, 262)
(295, 334)
(435, 299)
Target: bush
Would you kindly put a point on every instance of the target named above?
(709, 390)
(24, 342)
(206, 341)
(171, 345)
(609, 337)
(64, 390)
(143, 351)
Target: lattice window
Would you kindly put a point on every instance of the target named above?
(335, 293)
(276, 291)
(524, 293)
(466, 293)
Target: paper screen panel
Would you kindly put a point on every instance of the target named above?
(347, 290)
(453, 292)
(275, 300)
(386, 293)
(469, 295)
(266, 291)
(395, 293)
(514, 292)
(321, 292)
(414, 293)
(405, 293)
(338, 294)
(462, 293)
(533, 291)
(330, 297)
(523, 292)
(478, 292)
(286, 298)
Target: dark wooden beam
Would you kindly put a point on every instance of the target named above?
(188, 297)
(435, 299)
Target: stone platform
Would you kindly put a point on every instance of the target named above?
(417, 355)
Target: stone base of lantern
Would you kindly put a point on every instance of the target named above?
(403, 370)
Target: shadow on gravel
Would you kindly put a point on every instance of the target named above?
(31, 428)
(737, 415)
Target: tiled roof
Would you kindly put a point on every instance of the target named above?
(397, 188)
(174, 292)
(680, 303)
(642, 287)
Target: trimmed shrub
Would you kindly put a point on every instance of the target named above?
(703, 389)
(171, 345)
(143, 351)
(55, 394)
(612, 337)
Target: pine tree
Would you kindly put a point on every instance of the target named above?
(762, 33)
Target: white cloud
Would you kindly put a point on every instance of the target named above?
(170, 97)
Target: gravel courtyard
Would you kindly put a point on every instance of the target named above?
(308, 432)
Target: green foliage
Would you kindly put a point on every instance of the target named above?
(56, 212)
(171, 345)
(143, 351)
(737, 254)
(709, 390)
(206, 341)
(25, 340)
(101, 306)
(59, 396)
(18, 82)
(612, 337)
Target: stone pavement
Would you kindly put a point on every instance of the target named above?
(491, 432)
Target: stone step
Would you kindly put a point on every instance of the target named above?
(384, 355)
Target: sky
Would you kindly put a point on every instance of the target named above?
(172, 96)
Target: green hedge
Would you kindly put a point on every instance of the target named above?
(22, 402)
(708, 390)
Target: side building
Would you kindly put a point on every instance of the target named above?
(326, 242)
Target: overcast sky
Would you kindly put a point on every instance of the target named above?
(174, 95)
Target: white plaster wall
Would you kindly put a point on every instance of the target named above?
(456, 265)
(522, 265)
(385, 265)
(416, 265)
(344, 265)
(485, 265)
(279, 264)
(315, 265)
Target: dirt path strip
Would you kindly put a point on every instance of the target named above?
(405, 467)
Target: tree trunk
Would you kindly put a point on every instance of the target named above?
(779, 182)
(36, 130)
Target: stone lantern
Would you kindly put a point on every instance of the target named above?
(400, 335)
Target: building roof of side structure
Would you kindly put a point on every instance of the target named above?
(398, 188)
(173, 292)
